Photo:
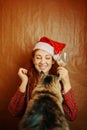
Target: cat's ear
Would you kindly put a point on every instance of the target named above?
(42, 74)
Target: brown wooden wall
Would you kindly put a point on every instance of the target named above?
(22, 23)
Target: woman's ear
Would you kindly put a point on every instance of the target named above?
(53, 61)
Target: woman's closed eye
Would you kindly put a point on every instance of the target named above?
(47, 57)
(38, 57)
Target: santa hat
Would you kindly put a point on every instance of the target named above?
(51, 46)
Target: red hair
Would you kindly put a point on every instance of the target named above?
(34, 75)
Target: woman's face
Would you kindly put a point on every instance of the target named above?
(42, 61)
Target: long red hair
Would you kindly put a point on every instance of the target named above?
(34, 75)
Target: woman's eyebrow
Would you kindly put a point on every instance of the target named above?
(38, 55)
(41, 55)
(48, 55)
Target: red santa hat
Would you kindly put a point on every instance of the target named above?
(51, 46)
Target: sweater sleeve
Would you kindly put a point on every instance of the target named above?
(17, 104)
(70, 106)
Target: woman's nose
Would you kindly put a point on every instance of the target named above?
(42, 60)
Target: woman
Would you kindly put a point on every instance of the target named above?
(45, 57)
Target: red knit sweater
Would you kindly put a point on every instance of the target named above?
(17, 105)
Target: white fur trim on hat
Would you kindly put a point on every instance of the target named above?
(44, 46)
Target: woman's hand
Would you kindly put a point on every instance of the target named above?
(65, 78)
(22, 73)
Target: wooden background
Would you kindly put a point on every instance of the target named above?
(22, 23)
